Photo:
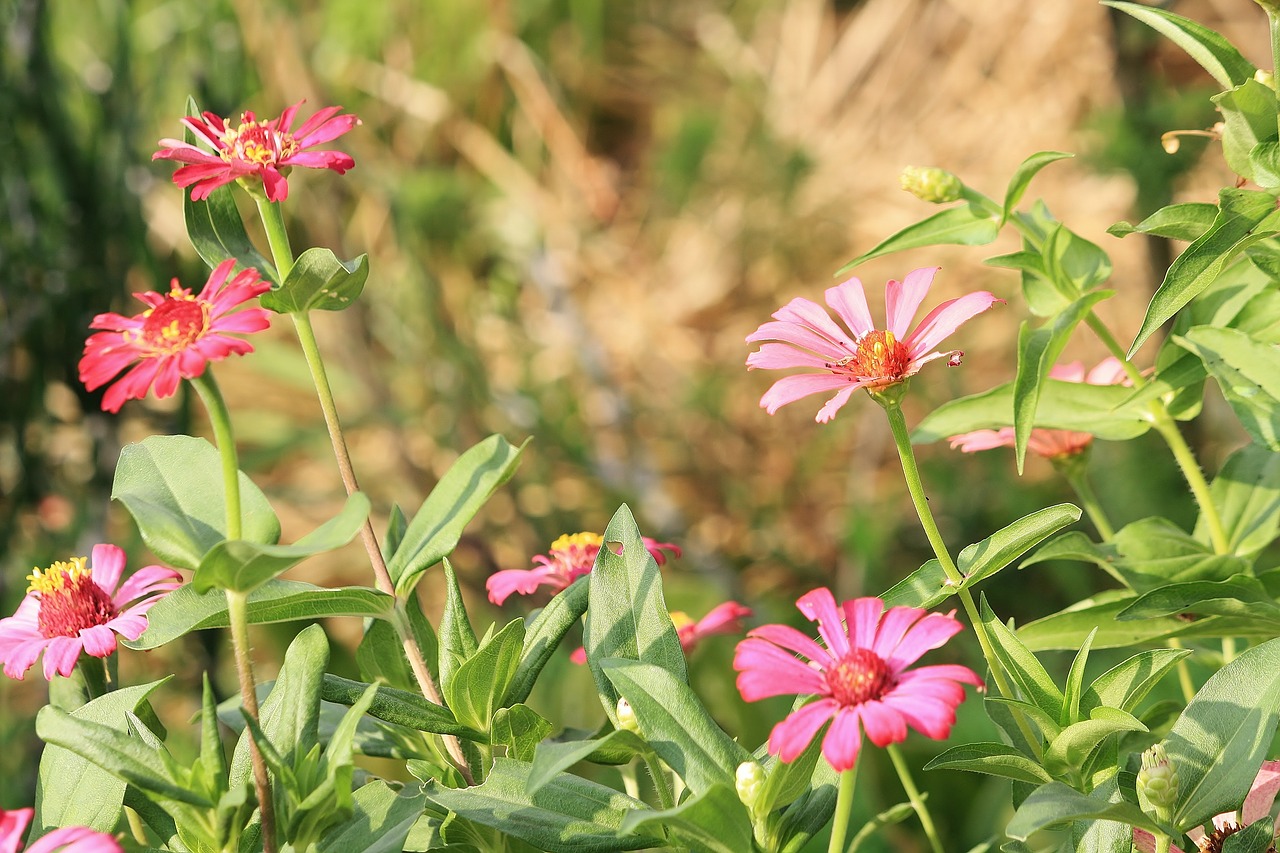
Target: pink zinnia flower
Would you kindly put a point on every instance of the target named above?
(570, 557)
(71, 839)
(174, 338)
(722, 619)
(1049, 443)
(803, 334)
(72, 607)
(1257, 804)
(859, 674)
(261, 149)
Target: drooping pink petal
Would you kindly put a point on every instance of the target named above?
(819, 606)
(982, 439)
(60, 656)
(883, 723)
(788, 389)
(12, 825)
(145, 581)
(801, 337)
(836, 403)
(793, 735)
(942, 322)
(98, 641)
(902, 301)
(843, 740)
(76, 839)
(502, 585)
(1262, 794)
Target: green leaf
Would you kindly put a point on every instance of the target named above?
(927, 587)
(1214, 53)
(1246, 493)
(714, 821)
(1244, 218)
(1074, 745)
(568, 815)
(1075, 684)
(962, 226)
(1031, 677)
(1038, 350)
(457, 639)
(1239, 595)
(627, 613)
(1022, 176)
(1265, 159)
(552, 758)
(243, 566)
(319, 281)
(1004, 713)
(994, 759)
(482, 679)
(1220, 740)
(380, 823)
(1257, 837)
(172, 486)
(543, 635)
(1187, 221)
(1054, 804)
(462, 491)
(1246, 371)
(71, 790)
(1248, 118)
(1073, 262)
(1126, 684)
(810, 812)
(185, 610)
(401, 707)
(677, 725)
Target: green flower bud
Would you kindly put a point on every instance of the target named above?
(749, 780)
(627, 717)
(1158, 781)
(1265, 77)
(931, 184)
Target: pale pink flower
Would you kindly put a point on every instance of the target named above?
(722, 619)
(569, 558)
(859, 674)
(1049, 443)
(857, 355)
(175, 338)
(72, 607)
(262, 149)
(1257, 804)
(71, 839)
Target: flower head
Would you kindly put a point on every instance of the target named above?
(857, 355)
(1049, 443)
(859, 674)
(256, 149)
(70, 839)
(569, 558)
(73, 607)
(722, 619)
(174, 338)
(1257, 804)
(931, 184)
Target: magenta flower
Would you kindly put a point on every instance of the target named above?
(859, 674)
(264, 150)
(1257, 804)
(570, 557)
(72, 607)
(1049, 443)
(71, 839)
(175, 338)
(857, 355)
(722, 619)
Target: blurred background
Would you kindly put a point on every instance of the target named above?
(575, 211)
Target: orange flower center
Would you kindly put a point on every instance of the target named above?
(858, 677)
(256, 142)
(69, 599)
(576, 553)
(880, 356)
(176, 323)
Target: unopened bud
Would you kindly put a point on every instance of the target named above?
(749, 780)
(1158, 781)
(931, 184)
(1265, 77)
(627, 717)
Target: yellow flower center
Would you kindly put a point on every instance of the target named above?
(858, 677)
(577, 540)
(880, 356)
(69, 599)
(256, 142)
(173, 325)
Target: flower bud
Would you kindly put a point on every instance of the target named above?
(1265, 77)
(1158, 781)
(627, 717)
(931, 184)
(749, 780)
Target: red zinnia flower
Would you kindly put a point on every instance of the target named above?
(803, 334)
(72, 607)
(70, 839)
(174, 338)
(859, 674)
(262, 149)
(570, 557)
(1257, 805)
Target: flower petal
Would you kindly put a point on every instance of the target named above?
(843, 740)
(942, 321)
(107, 562)
(788, 389)
(819, 606)
(795, 732)
(902, 300)
(849, 300)
(765, 670)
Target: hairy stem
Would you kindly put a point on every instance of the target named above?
(913, 794)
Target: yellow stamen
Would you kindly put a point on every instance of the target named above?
(59, 576)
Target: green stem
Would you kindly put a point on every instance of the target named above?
(277, 236)
(1074, 472)
(220, 420)
(844, 810)
(1273, 18)
(1184, 673)
(96, 675)
(913, 794)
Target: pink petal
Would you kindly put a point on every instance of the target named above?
(765, 670)
(849, 300)
(321, 128)
(578, 656)
(925, 714)
(792, 640)
(902, 301)
(808, 313)
(503, 584)
(843, 740)
(1070, 372)
(893, 626)
(802, 336)
(76, 839)
(929, 633)
(942, 321)
(144, 581)
(184, 152)
(1145, 842)
(788, 389)
(12, 825)
(835, 404)
(795, 732)
(862, 615)
(777, 356)
(277, 188)
(99, 640)
(336, 161)
(723, 618)
(19, 657)
(107, 562)
(1262, 794)
(820, 605)
(884, 724)
(60, 656)
(982, 439)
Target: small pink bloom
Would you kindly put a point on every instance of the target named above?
(723, 619)
(1049, 443)
(71, 839)
(263, 149)
(72, 607)
(175, 338)
(857, 355)
(570, 557)
(1257, 804)
(859, 674)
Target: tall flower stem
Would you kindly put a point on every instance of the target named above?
(237, 602)
(844, 810)
(1078, 478)
(913, 794)
(282, 254)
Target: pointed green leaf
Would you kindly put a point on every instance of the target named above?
(457, 638)
(401, 707)
(543, 635)
(1075, 684)
(1187, 221)
(1239, 595)
(1214, 53)
(319, 281)
(1055, 804)
(994, 759)
(552, 758)
(1248, 372)
(1248, 119)
(1022, 176)
(1246, 492)
(1022, 666)
(1126, 684)
(482, 679)
(961, 226)
(714, 821)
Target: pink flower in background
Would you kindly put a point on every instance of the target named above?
(175, 338)
(569, 558)
(1257, 805)
(72, 607)
(803, 334)
(1049, 443)
(71, 839)
(723, 619)
(859, 674)
(263, 149)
